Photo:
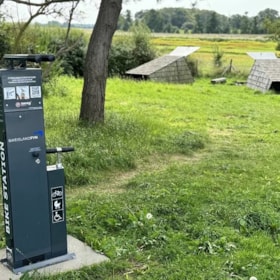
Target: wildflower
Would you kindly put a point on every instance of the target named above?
(149, 216)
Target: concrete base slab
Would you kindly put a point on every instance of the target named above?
(84, 256)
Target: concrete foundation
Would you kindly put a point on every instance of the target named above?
(84, 256)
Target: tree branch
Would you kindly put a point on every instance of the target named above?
(46, 3)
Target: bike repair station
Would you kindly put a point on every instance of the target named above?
(33, 192)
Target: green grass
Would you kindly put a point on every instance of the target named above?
(233, 46)
(181, 182)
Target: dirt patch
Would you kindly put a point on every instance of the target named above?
(114, 183)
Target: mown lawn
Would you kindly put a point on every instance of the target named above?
(181, 182)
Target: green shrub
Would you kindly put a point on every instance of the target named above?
(217, 56)
(131, 51)
(120, 59)
(143, 50)
(71, 53)
(193, 66)
(4, 40)
(277, 48)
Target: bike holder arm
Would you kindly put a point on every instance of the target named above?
(58, 151)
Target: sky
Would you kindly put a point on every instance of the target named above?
(89, 8)
(225, 7)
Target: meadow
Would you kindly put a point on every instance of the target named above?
(181, 181)
(234, 48)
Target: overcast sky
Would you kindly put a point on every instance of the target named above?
(90, 8)
(225, 7)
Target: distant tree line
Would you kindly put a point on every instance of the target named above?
(129, 51)
(181, 20)
(178, 20)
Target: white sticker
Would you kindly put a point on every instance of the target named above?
(57, 204)
(58, 216)
(22, 92)
(9, 93)
(35, 92)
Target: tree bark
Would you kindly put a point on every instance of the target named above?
(96, 64)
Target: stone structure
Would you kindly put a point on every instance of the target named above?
(265, 72)
(171, 68)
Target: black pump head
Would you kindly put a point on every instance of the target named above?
(23, 58)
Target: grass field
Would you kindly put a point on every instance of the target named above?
(233, 46)
(181, 182)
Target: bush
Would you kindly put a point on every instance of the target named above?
(120, 58)
(277, 48)
(4, 40)
(193, 66)
(71, 54)
(143, 50)
(131, 51)
(217, 56)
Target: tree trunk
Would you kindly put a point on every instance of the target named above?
(96, 64)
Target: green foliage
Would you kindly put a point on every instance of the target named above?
(193, 66)
(204, 21)
(71, 54)
(273, 28)
(125, 21)
(130, 51)
(143, 50)
(120, 58)
(5, 46)
(34, 40)
(217, 56)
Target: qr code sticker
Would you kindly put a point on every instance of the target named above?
(35, 92)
